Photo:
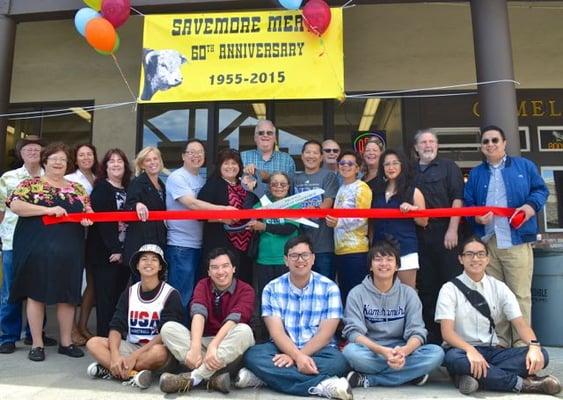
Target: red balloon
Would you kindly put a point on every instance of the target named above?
(116, 11)
(316, 15)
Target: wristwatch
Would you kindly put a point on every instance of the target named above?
(535, 342)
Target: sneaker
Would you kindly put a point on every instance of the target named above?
(36, 354)
(47, 341)
(333, 388)
(420, 381)
(541, 384)
(246, 378)
(71, 351)
(141, 379)
(355, 379)
(95, 370)
(468, 384)
(171, 383)
(7, 348)
(219, 382)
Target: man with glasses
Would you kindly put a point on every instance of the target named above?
(331, 151)
(301, 310)
(219, 334)
(504, 181)
(28, 150)
(441, 182)
(265, 160)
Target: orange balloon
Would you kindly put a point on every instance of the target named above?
(101, 34)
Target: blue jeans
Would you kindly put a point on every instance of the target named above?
(324, 264)
(351, 270)
(505, 365)
(420, 362)
(330, 362)
(10, 313)
(183, 265)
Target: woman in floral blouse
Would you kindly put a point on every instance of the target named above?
(48, 259)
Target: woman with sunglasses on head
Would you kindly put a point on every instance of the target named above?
(395, 190)
(351, 242)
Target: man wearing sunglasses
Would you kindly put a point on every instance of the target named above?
(505, 181)
(331, 151)
(264, 160)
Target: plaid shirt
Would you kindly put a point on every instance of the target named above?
(279, 162)
(302, 310)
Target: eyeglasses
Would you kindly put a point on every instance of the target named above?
(267, 133)
(494, 140)
(391, 164)
(279, 184)
(215, 268)
(192, 153)
(57, 159)
(31, 150)
(335, 151)
(305, 256)
(343, 163)
(472, 254)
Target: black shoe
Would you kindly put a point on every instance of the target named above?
(47, 341)
(71, 351)
(219, 382)
(36, 354)
(7, 348)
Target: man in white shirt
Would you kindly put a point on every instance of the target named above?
(474, 357)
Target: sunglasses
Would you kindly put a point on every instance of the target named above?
(343, 163)
(331, 150)
(494, 140)
(279, 184)
(267, 133)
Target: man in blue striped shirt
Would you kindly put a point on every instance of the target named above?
(301, 310)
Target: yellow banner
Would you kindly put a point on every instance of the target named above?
(240, 56)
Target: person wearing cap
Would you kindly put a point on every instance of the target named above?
(505, 181)
(221, 310)
(28, 150)
(141, 311)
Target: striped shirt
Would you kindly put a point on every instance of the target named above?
(302, 310)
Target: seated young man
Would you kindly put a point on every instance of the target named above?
(140, 313)
(473, 357)
(301, 310)
(384, 327)
(221, 309)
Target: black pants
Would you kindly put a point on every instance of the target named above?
(110, 280)
(438, 265)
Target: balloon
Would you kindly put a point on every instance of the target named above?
(82, 17)
(101, 35)
(115, 48)
(316, 15)
(291, 4)
(116, 11)
(95, 4)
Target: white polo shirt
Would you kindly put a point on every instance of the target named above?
(469, 323)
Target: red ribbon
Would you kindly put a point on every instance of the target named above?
(131, 216)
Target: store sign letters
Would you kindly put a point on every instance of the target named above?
(240, 56)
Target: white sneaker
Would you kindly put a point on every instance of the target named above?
(246, 379)
(95, 370)
(333, 388)
(142, 379)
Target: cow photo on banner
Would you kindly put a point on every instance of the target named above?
(240, 56)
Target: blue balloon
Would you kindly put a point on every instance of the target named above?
(291, 4)
(82, 17)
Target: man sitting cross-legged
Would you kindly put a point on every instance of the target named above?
(221, 309)
(301, 310)
(141, 311)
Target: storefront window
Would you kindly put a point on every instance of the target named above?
(236, 124)
(553, 212)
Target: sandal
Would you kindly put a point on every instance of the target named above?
(77, 338)
(36, 354)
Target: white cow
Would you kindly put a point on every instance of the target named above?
(162, 70)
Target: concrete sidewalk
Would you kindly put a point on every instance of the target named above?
(60, 377)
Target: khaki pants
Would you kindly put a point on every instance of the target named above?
(177, 339)
(127, 348)
(513, 266)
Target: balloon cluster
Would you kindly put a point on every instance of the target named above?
(316, 14)
(98, 23)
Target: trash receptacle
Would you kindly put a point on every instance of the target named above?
(547, 297)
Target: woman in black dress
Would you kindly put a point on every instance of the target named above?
(145, 193)
(49, 259)
(105, 239)
(224, 188)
